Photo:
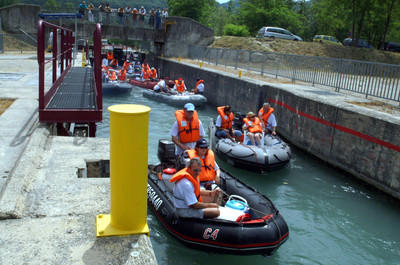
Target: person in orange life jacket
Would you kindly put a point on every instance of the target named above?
(162, 86)
(153, 73)
(122, 74)
(266, 116)
(145, 65)
(254, 127)
(187, 129)
(224, 124)
(210, 173)
(145, 73)
(187, 193)
(114, 63)
(179, 86)
(199, 88)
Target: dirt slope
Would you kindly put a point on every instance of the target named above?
(307, 48)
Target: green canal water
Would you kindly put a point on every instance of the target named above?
(332, 218)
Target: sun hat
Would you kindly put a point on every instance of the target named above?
(250, 114)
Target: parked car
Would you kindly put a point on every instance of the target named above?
(326, 39)
(361, 43)
(392, 46)
(277, 33)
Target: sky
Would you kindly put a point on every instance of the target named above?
(222, 1)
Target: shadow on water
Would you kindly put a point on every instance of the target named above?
(333, 219)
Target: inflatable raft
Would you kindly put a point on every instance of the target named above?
(249, 223)
(147, 83)
(273, 153)
(176, 100)
(116, 87)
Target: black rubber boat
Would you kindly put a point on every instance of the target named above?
(257, 229)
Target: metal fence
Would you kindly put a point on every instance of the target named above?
(111, 19)
(371, 79)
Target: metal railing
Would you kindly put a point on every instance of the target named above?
(110, 18)
(61, 54)
(367, 78)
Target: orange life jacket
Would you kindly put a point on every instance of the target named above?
(180, 87)
(111, 75)
(207, 164)
(153, 73)
(110, 56)
(114, 62)
(257, 128)
(126, 65)
(146, 73)
(145, 66)
(189, 131)
(226, 121)
(122, 75)
(198, 83)
(265, 116)
(195, 181)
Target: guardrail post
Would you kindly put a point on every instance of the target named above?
(237, 58)
(263, 62)
(216, 57)
(339, 79)
(294, 69)
(248, 65)
(129, 130)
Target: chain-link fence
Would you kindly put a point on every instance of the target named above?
(368, 78)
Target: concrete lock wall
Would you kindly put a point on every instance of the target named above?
(359, 140)
(20, 16)
(181, 32)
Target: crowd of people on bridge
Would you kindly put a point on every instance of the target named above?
(126, 15)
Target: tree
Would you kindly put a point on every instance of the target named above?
(220, 19)
(4, 3)
(200, 10)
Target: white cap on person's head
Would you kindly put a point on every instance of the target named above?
(189, 107)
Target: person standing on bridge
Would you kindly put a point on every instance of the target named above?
(158, 18)
(82, 8)
(164, 15)
(135, 14)
(91, 13)
(142, 14)
(128, 12)
(108, 13)
(120, 15)
(152, 15)
(101, 12)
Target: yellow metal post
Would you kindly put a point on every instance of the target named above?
(179, 59)
(240, 73)
(201, 64)
(162, 55)
(83, 57)
(129, 130)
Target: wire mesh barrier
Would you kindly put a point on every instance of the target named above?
(367, 78)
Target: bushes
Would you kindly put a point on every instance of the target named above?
(236, 30)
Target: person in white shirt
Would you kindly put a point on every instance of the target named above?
(187, 196)
(162, 86)
(186, 139)
(104, 62)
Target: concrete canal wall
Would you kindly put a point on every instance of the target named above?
(363, 142)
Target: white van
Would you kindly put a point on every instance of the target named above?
(277, 33)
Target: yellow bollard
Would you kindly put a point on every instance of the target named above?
(179, 59)
(240, 73)
(162, 55)
(83, 57)
(129, 130)
(201, 64)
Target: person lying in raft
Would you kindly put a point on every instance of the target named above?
(224, 124)
(187, 193)
(254, 127)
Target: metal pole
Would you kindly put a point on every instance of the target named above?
(129, 130)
